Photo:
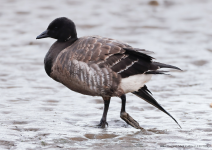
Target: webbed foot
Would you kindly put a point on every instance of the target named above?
(102, 123)
(129, 120)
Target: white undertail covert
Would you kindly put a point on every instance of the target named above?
(135, 82)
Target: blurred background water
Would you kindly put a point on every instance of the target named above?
(39, 113)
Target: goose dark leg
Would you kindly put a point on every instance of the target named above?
(103, 121)
(126, 117)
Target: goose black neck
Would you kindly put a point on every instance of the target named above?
(71, 37)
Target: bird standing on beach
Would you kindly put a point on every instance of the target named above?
(99, 66)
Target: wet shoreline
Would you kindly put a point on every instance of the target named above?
(39, 113)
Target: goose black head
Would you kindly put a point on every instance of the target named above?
(61, 29)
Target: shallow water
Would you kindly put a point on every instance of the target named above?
(39, 113)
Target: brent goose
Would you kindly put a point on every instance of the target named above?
(99, 66)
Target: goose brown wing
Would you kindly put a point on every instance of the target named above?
(120, 57)
(131, 62)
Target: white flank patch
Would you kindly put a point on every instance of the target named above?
(135, 82)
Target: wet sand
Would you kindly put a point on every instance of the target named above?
(39, 113)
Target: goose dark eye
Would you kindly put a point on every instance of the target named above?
(55, 27)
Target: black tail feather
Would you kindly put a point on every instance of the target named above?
(156, 72)
(143, 93)
(161, 65)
